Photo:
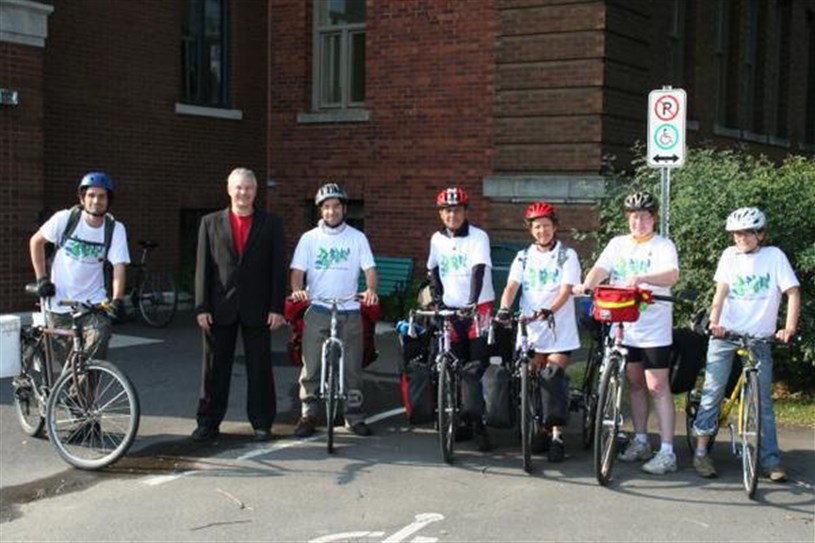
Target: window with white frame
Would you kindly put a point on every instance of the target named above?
(338, 54)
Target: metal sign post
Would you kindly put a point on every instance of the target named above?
(666, 141)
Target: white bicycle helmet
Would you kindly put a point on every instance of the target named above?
(746, 218)
(330, 190)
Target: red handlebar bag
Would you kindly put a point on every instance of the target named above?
(618, 304)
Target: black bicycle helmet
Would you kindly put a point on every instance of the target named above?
(641, 201)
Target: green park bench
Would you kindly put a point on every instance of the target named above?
(394, 275)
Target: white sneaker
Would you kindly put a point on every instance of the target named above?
(660, 464)
(636, 450)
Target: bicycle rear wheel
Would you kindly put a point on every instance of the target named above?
(157, 298)
(332, 398)
(30, 388)
(589, 393)
(750, 431)
(529, 425)
(93, 419)
(447, 410)
(607, 421)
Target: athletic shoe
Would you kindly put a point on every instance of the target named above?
(203, 433)
(704, 466)
(360, 428)
(776, 474)
(481, 438)
(660, 464)
(636, 450)
(306, 426)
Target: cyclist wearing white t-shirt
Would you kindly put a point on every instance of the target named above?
(461, 276)
(647, 260)
(545, 272)
(77, 271)
(750, 280)
(326, 264)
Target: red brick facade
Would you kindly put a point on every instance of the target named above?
(21, 166)
(429, 88)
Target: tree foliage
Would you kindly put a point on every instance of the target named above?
(703, 193)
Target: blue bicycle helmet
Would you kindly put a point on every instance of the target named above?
(96, 179)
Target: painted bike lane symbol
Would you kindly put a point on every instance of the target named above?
(421, 520)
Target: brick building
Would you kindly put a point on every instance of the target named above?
(514, 99)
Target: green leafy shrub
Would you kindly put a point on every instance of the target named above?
(703, 193)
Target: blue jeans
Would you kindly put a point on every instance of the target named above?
(719, 360)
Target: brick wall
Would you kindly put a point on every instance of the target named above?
(430, 83)
(21, 168)
(113, 78)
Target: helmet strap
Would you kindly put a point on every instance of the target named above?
(547, 246)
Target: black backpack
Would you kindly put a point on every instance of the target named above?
(110, 224)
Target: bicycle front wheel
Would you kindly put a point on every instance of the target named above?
(447, 419)
(332, 398)
(157, 299)
(92, 416)
(750, 432)
(30, 388)
(607, 421)
(589, 393)
(529, 425)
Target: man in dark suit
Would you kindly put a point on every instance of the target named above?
(240, 284)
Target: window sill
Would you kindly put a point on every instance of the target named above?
(339, 116)
(746, 135)
(214, 112)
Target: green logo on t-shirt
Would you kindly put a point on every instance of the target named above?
(328, 258)
(540, 279)
(84, 251)
(748, 285)
(452, 263)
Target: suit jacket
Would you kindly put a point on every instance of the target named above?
(247, 288)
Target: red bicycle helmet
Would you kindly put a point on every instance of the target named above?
(536, 210)
(452, 196)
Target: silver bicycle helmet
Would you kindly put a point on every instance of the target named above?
(328, 191)
(746, 218)
(641, 201)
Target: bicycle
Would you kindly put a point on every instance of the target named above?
(526, 384)
(608, 417)
(447, 377)
(585, 398)
(746, 395)
(154, 293)
(332, 369)
(90, 410)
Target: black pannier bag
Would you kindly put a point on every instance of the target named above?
(688, 356)
(554, 387)
(418, 393)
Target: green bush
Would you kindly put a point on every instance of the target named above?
(703, 193)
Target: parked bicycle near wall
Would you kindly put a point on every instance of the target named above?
(89, 407)
(154, 294)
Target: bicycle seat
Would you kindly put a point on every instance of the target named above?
(148, 244)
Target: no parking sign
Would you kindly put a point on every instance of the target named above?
(667, 110)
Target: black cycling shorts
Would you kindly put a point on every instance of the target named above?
(652, 358)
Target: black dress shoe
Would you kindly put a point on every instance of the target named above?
(262, 435)
(202, 434)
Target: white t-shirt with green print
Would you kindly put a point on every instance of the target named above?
(456, 256)
(332, 259)
(541, 278)
(624, 257)
(755, 283)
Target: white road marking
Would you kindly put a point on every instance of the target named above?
(157, 480)
(422, 520)
(118, 341)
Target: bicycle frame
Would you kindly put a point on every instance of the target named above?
(332, 339)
